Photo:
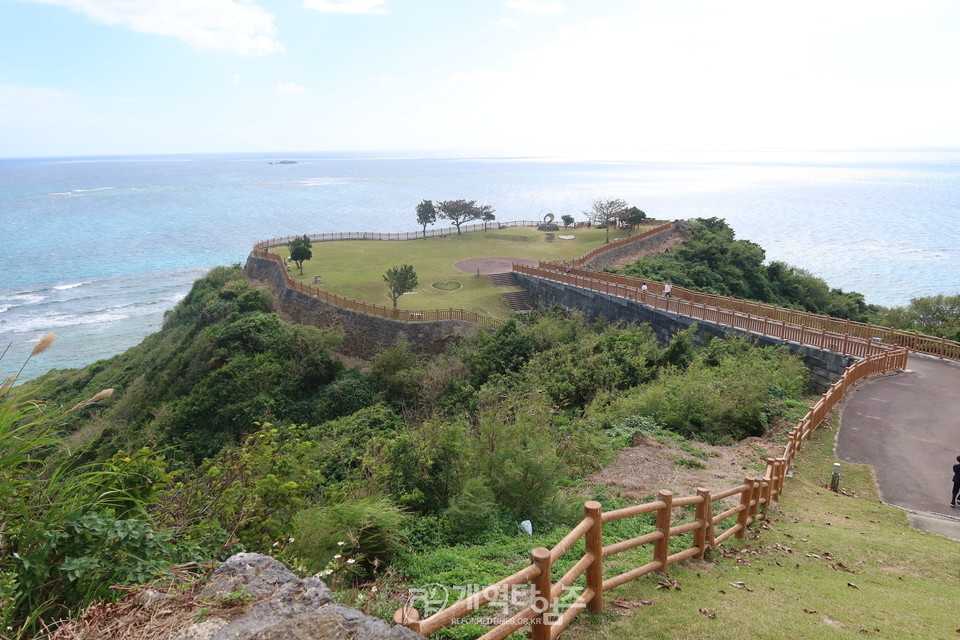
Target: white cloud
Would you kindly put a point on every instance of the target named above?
(346, 6)
(236, 79)
(290, 88)
(507, 22)
(222, 25)
(535, 6)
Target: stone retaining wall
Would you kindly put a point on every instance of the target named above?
(629, 250)
(365, 335)
(825, 367)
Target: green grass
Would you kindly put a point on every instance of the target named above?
(355, 268)
(901, 583)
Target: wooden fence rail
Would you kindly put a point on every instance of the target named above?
(755, 496)
(932, 345)
(402, 315)
(632, 290)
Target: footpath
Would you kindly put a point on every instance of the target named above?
(907, 427)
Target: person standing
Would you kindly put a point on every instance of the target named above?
(667, 288)
(956, 484)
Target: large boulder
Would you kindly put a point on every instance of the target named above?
(277, 605)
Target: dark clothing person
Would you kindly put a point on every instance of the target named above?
(956, 484)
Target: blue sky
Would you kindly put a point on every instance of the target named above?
(557, 77)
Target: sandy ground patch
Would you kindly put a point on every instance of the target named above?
(488, 266)
(651, 465)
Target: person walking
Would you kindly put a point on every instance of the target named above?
(956, 484)
(667, 288)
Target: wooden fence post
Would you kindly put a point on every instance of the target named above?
(745, 511)
(704, 517)
(661, 546)
(594, 546)
(542, 586)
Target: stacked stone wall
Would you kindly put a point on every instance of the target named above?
(825, 367)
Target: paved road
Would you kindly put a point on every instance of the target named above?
(907, 427)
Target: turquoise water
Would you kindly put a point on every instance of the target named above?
(96, 249)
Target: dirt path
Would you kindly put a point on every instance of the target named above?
(486, 266)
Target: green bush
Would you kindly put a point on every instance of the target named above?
(367, 531)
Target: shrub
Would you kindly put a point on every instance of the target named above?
(367, 531)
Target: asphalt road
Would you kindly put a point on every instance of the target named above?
(907, 426)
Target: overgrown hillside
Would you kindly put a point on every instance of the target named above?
(714, 261)
(230, 429)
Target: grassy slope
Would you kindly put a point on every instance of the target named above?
(907, 582)
(355, 268)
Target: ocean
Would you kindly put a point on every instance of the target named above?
(97, 249)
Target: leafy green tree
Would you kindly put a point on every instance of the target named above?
(459, 212)
(400, 280)
(567, 219)
(488, 217)
(426, 214)
(633, 216)
(604, 211)
(933, 315)
(300, 250)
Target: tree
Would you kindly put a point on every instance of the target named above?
(633, 216)
(426, 214)
(567, 219)
(399, 281)
(604, 211)
(488, 217)
(301, 249)
(461, 211)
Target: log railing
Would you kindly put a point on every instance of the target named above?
(632, 290)
(401, 315)
(262, 250)
(753, 498)
(865, 331)
(590, 255)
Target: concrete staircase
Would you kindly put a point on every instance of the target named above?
(519, 301)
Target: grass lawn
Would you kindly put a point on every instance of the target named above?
(826, 566)
(355, 268)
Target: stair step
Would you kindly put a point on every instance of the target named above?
(519, 301)
(507, 279)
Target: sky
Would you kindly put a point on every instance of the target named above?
(495, 77)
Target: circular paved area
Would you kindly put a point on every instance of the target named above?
(488, 266)
(907, 427)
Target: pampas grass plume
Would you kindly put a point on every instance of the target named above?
(106, 393)
(45, 342)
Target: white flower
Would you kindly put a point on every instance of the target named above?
(351, 561)
(328, 572)
(276, 543)
(291, 539)
(341, 543)
(337, 557)
(373, 589)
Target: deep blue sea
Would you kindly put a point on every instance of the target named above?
(97, 249)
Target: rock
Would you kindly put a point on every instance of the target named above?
(281, 606)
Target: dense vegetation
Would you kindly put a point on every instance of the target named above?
(714, 261)
(231, 429)
(932, 315)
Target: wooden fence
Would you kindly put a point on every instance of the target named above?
(262, 250)
(401, 315)
(754, 495)
(865, 331)
(617, 244)
(631, 289)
